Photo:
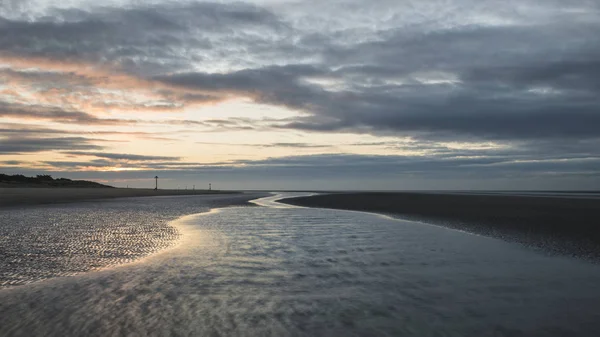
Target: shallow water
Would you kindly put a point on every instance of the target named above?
(278, 271)
(42, 242)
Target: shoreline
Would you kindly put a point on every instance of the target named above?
(29, 196)
(556, 225)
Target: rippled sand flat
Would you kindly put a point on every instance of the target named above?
(48, 241)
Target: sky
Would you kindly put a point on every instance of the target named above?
(303, 94)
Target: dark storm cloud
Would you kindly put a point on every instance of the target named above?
(460, 117)
(431, 109)
(497, 71)
(30, 144)
(273, 84)
(506, 82)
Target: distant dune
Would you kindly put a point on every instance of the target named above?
(557, 224)
(33, 196)
(19, 180)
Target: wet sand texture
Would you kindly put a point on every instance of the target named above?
(35, 196)
(563, 225)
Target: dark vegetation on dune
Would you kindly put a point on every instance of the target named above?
(19, 180)
(569, 226)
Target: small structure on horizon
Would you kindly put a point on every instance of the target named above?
(209, 186)
(156, 186)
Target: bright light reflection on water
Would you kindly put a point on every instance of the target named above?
(265, 271)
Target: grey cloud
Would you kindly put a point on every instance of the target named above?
(297, 145)
(280, 85)
(263, 81)
(30, 144)
(495, 67)
(24, 130)
(492, 109)
(55, 114)
(227, 124)
(141, 39)
(583, 74)
(283, 144)
(76, 164)
(12, 162)
(121, 156)
(530, 81)
(28, 130)
(44, 77)
(210, 125)
(463, 116)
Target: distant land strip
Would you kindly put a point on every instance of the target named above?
(12, 197)
(44, 180)
(557, 225)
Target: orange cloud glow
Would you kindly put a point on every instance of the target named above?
(95, 89)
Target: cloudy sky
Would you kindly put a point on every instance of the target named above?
(311, 94)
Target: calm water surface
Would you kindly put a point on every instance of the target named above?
(283, 271)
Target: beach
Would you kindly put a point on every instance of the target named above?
(211, 266)
(557, 224)
(10, 197)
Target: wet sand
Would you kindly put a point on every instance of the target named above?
(35, 196)
(554, 224)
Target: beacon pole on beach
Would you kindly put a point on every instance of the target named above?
(209, 186)
(156, 186)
